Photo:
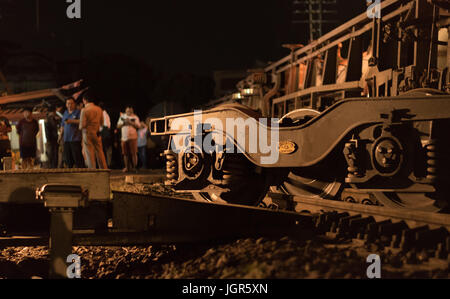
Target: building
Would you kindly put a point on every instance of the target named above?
(226, 81)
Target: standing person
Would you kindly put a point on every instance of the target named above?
(129, 123)
(51, 132)
(80, 106)
(142, 145)
(59, 115)
(72, 135)
(117, 149)
(105, 133)
(27, 129)
(90, 123)
(5, 144)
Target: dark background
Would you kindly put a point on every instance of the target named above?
(145, 52)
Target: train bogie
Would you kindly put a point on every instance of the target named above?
(359, 115)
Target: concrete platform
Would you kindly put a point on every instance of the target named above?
(19, 187)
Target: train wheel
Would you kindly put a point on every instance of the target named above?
(296, 184)
(247, 184)
(312, 188)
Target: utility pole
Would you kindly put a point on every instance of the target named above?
(38, 16)
(316, 13)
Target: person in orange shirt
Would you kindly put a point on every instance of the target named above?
(90, 122)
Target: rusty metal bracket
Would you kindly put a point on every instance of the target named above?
(62, 201)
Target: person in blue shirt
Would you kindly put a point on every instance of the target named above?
(71, 133)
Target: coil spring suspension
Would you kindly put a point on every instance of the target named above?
(430, 148)
(171, 169)
(351, 155)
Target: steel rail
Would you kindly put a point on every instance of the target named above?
(409, 216)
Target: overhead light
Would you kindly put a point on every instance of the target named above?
(236, 96)
(247, 92)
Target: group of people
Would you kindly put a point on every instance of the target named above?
(88, 139)
(84, 133)
(78, 131)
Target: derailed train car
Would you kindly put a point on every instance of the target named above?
(359, 115)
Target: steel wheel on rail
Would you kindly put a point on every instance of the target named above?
(246, 183)
(297, 183)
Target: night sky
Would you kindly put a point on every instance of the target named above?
(196, 36)
(146, 52)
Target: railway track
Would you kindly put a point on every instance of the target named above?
(143, 219)
(411, 217)
(397, 229)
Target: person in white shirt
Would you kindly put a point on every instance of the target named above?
(129, 123)
(105, 133)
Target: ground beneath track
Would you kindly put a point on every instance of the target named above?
(245, 258)
(144, 182)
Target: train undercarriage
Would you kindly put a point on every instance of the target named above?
(391, 152)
